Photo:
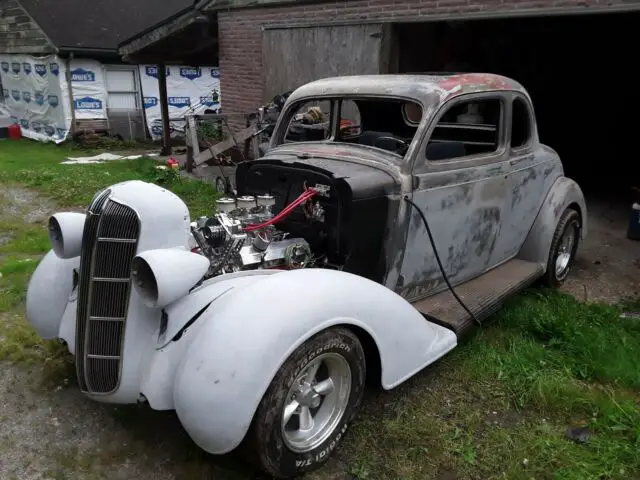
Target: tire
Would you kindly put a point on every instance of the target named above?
(273, 446)
(558, 268)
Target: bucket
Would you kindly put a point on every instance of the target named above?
(634, 222)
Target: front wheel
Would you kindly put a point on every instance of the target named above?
(305, 412)
(563, 249)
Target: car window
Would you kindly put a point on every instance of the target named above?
(380, 122)
(310, 121)
(520, 124)
(466, 128)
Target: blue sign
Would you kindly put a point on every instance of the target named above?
(82, 75)
(55, 69)
(53, 100)
(26, 96)
(179, 102)
(37, 126)
(40, 69)
(49, 130)
(156, 129)
(5, 67)
(15, 94)
(208, 101)
(215, 73)
(26, 67)
(5, 93)
(39, 99)
(190, 72)
(24, 123)
(152, 71)
(87, 103)
(15, 67)
(150, 102)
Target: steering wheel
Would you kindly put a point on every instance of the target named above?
(402, 145)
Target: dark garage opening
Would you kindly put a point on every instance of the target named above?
(578, 70)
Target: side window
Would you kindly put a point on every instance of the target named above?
(467, 128)
(520, 124)
(350, 120)
(311, 121)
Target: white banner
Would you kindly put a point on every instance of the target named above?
(190, 90)
(34, 97)
(89, 89)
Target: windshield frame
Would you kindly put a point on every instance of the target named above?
(292, 107)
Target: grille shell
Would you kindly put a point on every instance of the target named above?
(109, 244)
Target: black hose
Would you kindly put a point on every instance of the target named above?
(435, 252)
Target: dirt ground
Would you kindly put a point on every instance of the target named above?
(55, 432)
(607, 267)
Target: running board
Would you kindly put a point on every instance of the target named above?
(483, 295)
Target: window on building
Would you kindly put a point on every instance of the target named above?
(467, 128)
(520, 124)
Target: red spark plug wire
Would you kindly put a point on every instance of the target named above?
(308, 193)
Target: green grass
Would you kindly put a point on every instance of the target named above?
(496, 407)
(37, 168)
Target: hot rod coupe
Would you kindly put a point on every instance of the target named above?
(374, 234)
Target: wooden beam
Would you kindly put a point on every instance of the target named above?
(224, 145)
(161, 32)
(164, 109)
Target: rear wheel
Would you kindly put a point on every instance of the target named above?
(563, 248)
(305, 412)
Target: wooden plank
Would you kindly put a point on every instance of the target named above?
(318, 52)
(223, 146)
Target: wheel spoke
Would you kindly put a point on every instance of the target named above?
(306, 419)
(312, 371)
(289, 410)
(325, 387)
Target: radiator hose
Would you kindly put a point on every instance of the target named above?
(442, 271)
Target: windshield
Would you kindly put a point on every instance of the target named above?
(387, 124)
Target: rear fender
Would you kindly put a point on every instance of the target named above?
(562, 194)
(48, 293)
(247, 335)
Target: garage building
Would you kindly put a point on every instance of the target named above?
(573, 57)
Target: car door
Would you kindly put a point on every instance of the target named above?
(461, 183)
(529, 176)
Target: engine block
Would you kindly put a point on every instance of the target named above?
(231, 246)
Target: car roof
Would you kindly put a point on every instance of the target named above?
(423, 88)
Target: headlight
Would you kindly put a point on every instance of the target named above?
(65, 233)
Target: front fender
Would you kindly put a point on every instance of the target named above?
(563, 193)
(48, 293)
(247, 336)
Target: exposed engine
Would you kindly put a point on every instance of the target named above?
(242, 235)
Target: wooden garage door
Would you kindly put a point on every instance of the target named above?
(294, 56)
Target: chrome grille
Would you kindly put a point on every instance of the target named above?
(108, 246)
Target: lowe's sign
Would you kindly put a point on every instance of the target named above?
(179, 102)
(40, 69)
(190, 72)
(152, 71)
(87, 103)
(82, 75)
(150, 102)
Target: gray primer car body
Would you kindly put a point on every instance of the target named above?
(483, 209)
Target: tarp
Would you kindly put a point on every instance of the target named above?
(189, 90)
(89, 89)
(34, 97)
